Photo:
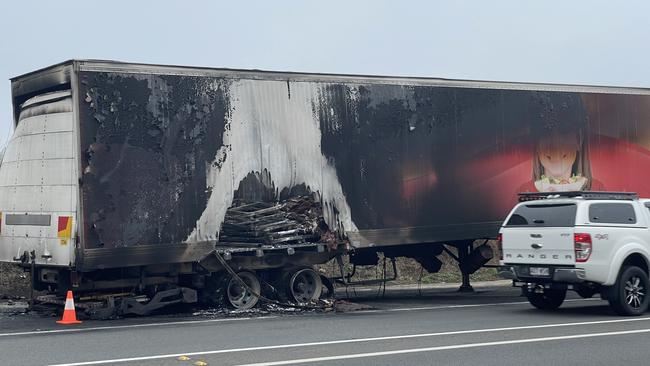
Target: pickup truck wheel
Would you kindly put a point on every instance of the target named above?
(630, 293)
(551, 299)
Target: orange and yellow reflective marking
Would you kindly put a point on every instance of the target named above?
(65, 227)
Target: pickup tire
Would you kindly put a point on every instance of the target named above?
(551, 299)
(629, 295)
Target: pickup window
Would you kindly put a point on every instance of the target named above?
(612, 213)
(552, 215)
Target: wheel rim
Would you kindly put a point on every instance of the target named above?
(239, 296)
(635, 292)
(305, 285)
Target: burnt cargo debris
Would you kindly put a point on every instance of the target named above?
(141, 173)
(295, 220)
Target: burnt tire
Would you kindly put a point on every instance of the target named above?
(226, 291)
(551, 299)
(240, 297)
(328, 288)
(300, 285)
(629, 295)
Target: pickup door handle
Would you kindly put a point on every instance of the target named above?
(536, 246)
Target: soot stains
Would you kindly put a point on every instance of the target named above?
(147, 142)
(396, 149)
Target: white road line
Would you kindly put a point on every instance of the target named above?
(353, 340)
(443, 348)
(458, 306)
(77, 330)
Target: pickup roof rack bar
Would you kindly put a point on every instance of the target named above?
(587, 195)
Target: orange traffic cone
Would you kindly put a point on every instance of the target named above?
(69, 314)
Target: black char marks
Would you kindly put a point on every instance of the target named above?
(362, 133)
(396, 149)
(147, 144)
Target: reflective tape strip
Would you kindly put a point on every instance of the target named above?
(69, 304)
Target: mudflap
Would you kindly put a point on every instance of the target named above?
(116, 307)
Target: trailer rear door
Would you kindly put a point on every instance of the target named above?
(39, 184)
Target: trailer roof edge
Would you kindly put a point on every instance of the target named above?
(145, 68)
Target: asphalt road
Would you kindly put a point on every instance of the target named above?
(493, 326)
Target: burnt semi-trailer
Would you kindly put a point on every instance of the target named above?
(181, 183)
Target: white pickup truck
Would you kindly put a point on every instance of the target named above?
(589, 242)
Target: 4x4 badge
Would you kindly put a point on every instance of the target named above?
(602, 236)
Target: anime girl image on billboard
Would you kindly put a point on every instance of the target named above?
(560, 160)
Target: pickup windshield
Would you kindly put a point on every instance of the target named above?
(555, 215)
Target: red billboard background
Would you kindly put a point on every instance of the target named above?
(616, 136)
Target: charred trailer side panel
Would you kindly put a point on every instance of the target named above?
(164, 165)
(148, 143)
(172, 164)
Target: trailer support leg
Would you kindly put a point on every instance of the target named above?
(464, 250)
(32, 275)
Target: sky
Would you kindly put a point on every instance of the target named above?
(566, 42)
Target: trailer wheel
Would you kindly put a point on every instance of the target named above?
(236, 296)
(629, 296)
(551, 299)
(305, 285)
(302, 285)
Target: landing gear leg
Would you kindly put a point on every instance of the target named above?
(32, 275)
(464, 250)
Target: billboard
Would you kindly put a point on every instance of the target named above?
(411, 156)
